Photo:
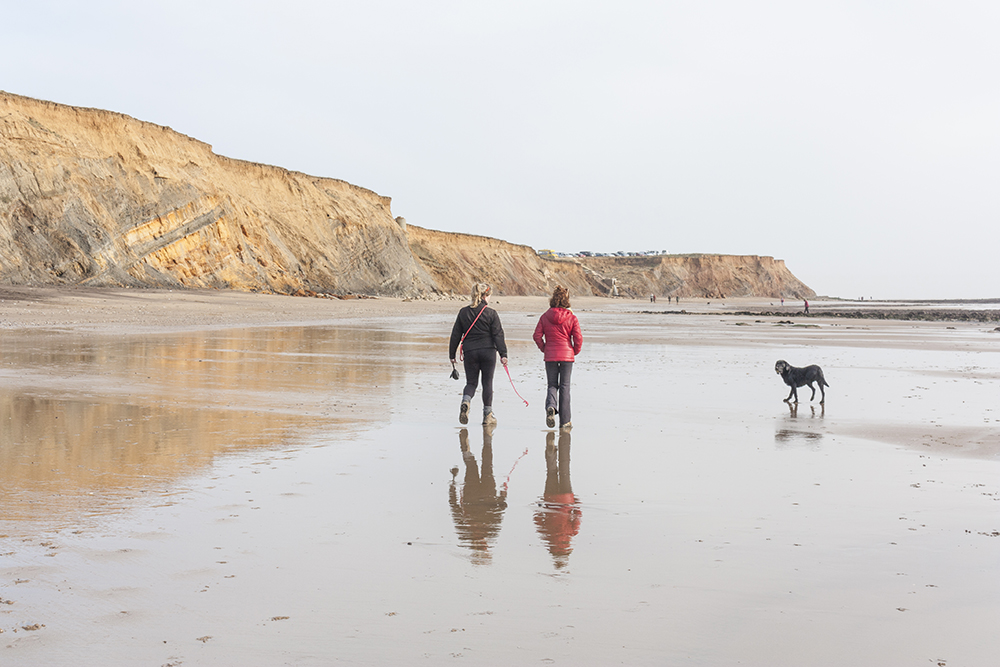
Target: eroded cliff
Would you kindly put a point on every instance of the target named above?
(455, 261)
(716, 276)
(99, 198)
(90, 196)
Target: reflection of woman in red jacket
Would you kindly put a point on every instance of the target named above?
(558, 515)
(557, 334)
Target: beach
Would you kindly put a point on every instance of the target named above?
(227, 478)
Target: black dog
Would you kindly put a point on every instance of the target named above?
(800, 377)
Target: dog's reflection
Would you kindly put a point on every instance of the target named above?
(793, 411)
(477, 508)
(800, 430)
(558, 515)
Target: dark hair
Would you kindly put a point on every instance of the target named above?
(560, 298)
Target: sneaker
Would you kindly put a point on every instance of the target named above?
(489, 419)
(463, 413)
(550, 417)
(567, 426)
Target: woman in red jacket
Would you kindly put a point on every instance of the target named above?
(558, 336)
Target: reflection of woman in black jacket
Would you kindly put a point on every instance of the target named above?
(478, 509)
(479, 332)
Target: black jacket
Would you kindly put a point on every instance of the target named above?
(487, 332)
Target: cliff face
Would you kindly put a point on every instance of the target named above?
(99, 198)
(455, 261)
(700, 276)
(89, 196)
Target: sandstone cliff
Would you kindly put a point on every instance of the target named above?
(90, 196)
(700, 276)
(455, 261)
(99, 198)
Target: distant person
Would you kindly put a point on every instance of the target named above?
(558, 336)
(806, 301)
(782, 302)
(479, 335)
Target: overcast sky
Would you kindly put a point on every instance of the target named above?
(858, 141)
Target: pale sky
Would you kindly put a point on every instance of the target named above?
(858, 141)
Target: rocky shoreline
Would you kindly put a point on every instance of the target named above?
(923, 315)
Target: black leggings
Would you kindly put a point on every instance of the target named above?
(482, 360)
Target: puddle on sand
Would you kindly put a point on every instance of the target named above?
(304, 517)
(89, 421)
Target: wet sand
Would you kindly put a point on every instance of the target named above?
(208, 478)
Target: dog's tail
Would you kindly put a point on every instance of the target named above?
(823, 380)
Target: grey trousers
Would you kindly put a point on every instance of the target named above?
(558, 374)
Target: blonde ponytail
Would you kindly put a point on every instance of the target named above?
(479, 293)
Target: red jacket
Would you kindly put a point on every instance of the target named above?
(557, 334)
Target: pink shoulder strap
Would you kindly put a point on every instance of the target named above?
(461, 355)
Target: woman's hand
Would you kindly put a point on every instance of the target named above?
(503, 360)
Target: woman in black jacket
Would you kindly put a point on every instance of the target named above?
(479, 333)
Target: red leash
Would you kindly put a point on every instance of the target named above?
(513, 387)
(461, 356)
(516, 461)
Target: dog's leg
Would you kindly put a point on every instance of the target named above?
(789, 399)
(814, 392)
(822, 394)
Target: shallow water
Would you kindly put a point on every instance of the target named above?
(304, 496)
